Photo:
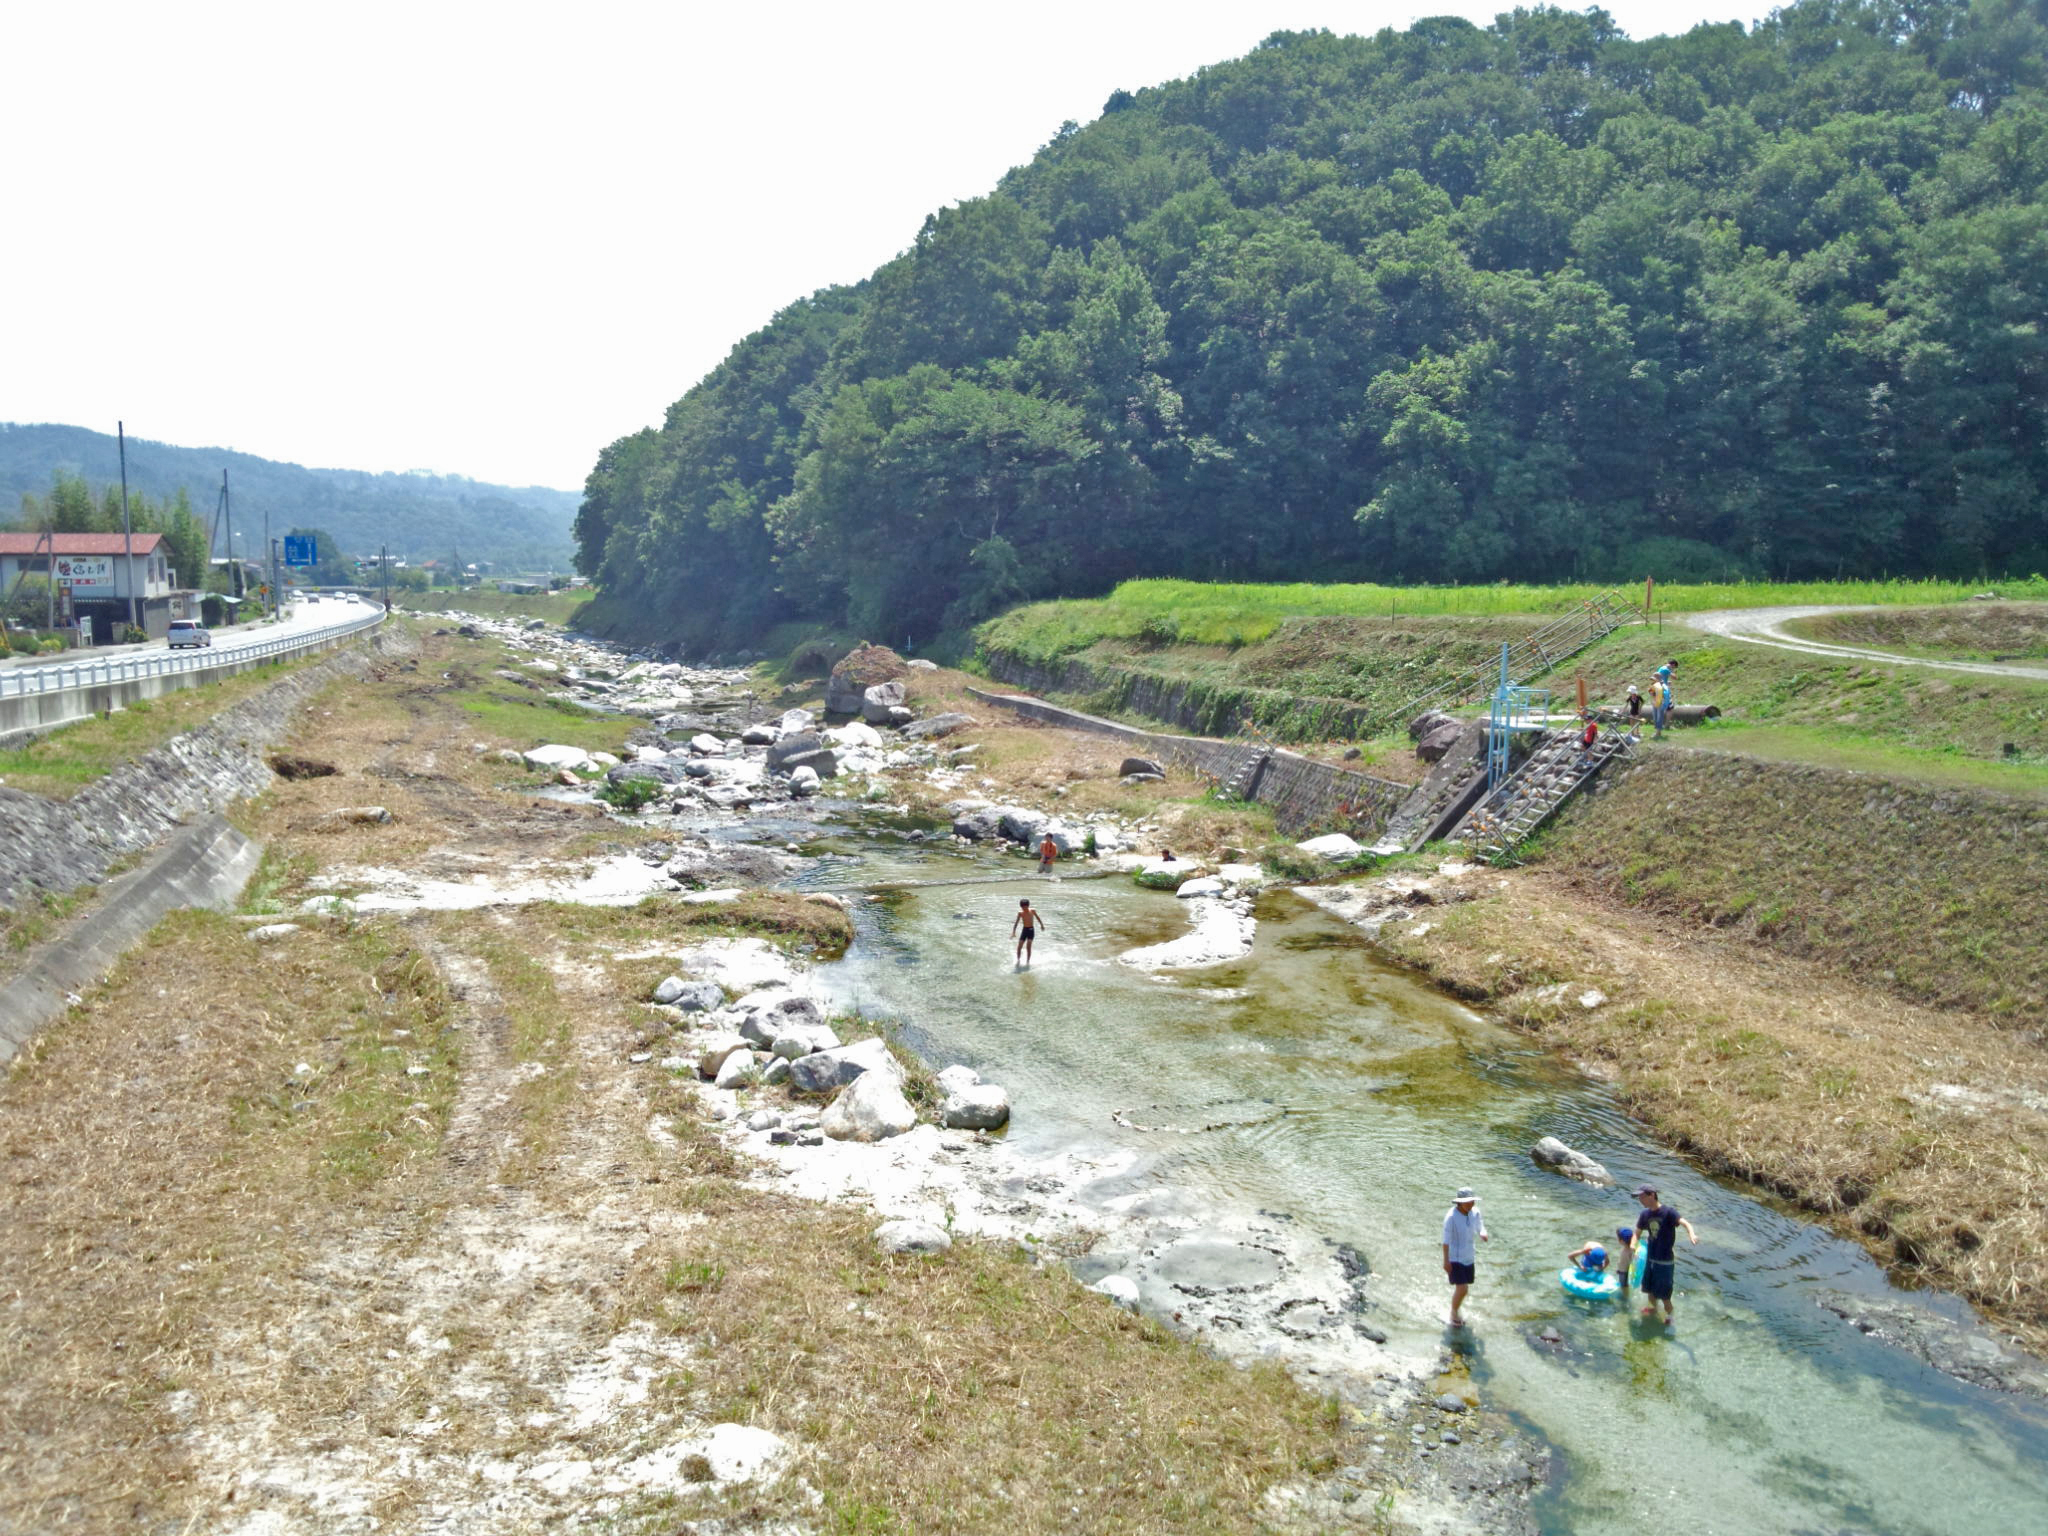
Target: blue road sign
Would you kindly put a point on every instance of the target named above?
(299, 550)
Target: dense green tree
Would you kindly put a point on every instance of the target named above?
(1533, 301)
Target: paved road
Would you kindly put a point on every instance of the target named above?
(298, 618)
(1761, 626)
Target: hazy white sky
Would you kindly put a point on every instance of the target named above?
(488, 239)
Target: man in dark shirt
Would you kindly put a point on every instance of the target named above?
(1658, 1225)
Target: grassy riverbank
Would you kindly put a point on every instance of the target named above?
(1238, 613)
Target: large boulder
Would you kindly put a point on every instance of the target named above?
(972, 1106)
(1020, 824)
(735, 1071)
(556, 756)
(870, 1108)
(1558, 1158)
(979, 824)
(1166, 875)
(877, 703)
(822, 1071)
(690, 996)
(773, 1014)
(792, 744)
(1428, 721)
(1141, 765)
(1438, 740)
(824, 762)
(759, 735)
(660, 771)
(932, 727)
(858, 671)
(1334, 846)
(855, 734)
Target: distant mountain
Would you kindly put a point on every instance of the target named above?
(419, 516)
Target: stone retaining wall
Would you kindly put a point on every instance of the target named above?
(1212, 709)
(59, 845)
(1305, 794)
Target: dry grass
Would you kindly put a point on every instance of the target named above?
(252, 1277)
(1780, 1073)
(1962, 631)
(172, 1147)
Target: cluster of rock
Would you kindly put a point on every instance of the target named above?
(982, 821)
(777, 1038)
(579, 670)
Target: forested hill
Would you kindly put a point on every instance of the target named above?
(418, 516)
(1536, 301)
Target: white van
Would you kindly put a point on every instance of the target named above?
(188, 632)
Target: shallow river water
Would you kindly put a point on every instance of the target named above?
(1354, 1100)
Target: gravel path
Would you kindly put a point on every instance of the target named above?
(1762, 626)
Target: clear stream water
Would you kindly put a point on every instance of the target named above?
(1363, 1099)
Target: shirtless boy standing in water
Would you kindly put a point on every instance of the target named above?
(1029, 921)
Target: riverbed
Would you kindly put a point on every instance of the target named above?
(1312, 1085)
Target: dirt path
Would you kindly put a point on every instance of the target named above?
(1763, 626)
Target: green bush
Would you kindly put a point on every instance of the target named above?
(50, 645)
(629, 794)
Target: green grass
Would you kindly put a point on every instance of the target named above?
(1884, 718)
(555, 607)
(1166, 611)
(1834, 748)
(70, 757)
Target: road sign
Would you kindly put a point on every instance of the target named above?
(299, 549)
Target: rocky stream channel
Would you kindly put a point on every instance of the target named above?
(1225, 1110)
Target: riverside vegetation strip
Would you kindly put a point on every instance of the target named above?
(337, 1215)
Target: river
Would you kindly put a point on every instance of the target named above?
(1353, 1099)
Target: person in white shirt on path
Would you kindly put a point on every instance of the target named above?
(1464, 1229)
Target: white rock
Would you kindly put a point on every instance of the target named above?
(856, 734)
(554, 755)
(760, 735)
(1120, 1289)
(713, 1055)
(706, 744)
(976, 1107)
(777, 1071)
(870, 1108)
(764, 1120)
(822, 1071)
(1592, 998)
(270, 932)
(955, 1078)
(604, 760)
(804, 780)
(794, 720)
(1206, 885)
(910, 1236)
(1333, 846)
(734, 1071)
(669, 990)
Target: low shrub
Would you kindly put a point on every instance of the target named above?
(629, 794)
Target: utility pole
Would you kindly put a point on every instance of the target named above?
(127, 531)
(276, 577)
(50, 569)
(227, 503)
(384, 570)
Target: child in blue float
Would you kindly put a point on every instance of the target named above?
(1591, 1260)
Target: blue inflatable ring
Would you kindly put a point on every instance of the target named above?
(1598, 1286)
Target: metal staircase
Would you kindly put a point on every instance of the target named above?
(1546, 779)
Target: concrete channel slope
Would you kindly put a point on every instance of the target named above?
(205, 865)
(1763, 626)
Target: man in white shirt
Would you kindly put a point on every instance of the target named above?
(1464, 1229)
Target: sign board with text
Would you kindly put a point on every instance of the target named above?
(86, 575)
(299, 549)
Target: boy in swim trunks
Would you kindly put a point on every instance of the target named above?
(1029, 921)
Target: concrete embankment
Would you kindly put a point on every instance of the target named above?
(1303, 792)
(55, 846)
(205, 865)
